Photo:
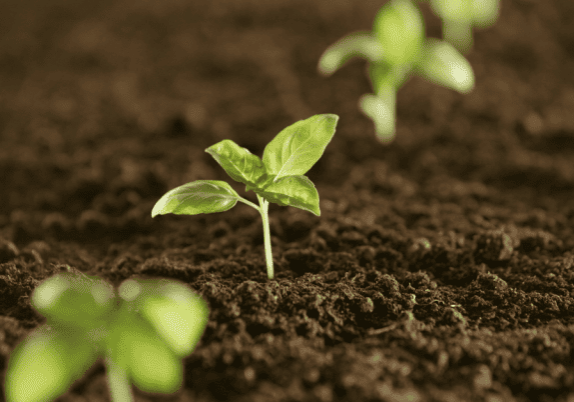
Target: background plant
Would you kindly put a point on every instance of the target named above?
(395, 49)
(142, 333)
(459, 17)
(278, 177)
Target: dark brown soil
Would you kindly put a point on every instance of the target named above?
(441, 267)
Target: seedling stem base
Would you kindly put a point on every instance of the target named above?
(118, 382)
(263, 210)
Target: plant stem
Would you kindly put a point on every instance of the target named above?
(266, 234)
(118, 382)
(247, 202)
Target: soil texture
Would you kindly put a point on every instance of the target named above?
(441, 267)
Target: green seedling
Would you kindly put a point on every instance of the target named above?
(142, 333)
(459, 16)
(395, 50)
(278, 177)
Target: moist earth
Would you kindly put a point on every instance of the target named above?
(441, 267)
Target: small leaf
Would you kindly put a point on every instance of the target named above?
(295, 191)
(240, 164)
(176, 313)
(134, 346)
(298, 147)
(400, 30)
(358, 44)
(198, 197)
(73, 299)
(444, 65)
(46, 364)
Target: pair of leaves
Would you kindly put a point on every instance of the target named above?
(278, 177)
(155, 324)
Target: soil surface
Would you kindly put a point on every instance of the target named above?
(441, 267)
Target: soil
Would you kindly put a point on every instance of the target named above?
(441, 267)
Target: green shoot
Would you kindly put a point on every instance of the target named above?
(278, 177)
(460, 15)
(394, 50)
(142, 333)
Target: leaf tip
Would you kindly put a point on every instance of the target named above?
(157, 209)
(332, 116)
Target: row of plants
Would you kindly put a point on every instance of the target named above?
(143, 329)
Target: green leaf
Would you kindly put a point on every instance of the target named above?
(240, 164)
(298, 147)
(485, 12)
(454, 10)
(198, 197)
(134, 346)
(176, 313)
(444, 65)
(74, 299)
(400, 30)
(46, 364)
(358, 44)
(295, 191)
(478, 12)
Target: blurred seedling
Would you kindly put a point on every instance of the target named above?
(142, 333)
(459, 17)
(395, 50)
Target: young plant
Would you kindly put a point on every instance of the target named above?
(142, 333)
(278, 177)
(396, 49)
(459, 16)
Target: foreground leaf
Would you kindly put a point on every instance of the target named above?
(149, 363)
(176, 313)
(41, 367)
(73, 299)
(294, 191)
(198, 197)
(298, 147)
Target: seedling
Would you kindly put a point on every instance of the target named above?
(396, 49)
(459, 16)
(278, 177)
(142, 333)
